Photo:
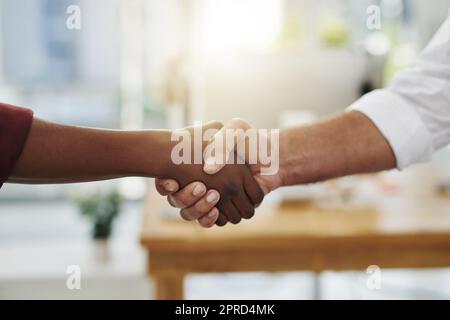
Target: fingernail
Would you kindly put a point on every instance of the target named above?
(210, 161)
(198, 189)
(212, 197)
(169, 187)
(211, 168)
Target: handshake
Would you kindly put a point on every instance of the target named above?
(215, 174)
(219, 174)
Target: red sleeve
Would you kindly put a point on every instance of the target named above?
(15, 125)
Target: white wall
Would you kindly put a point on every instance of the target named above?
(259, 88)
(429, 16)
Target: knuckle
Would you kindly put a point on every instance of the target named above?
(206, 222)
(240, 123)
(214, 124)
(217, 123)
(160, 188)
(186, 215)
(201, 207)
(249, 213)
(236, 220)
(259, 198)
(181, 201)
(171, 201)
(221, 221)
(231, 190)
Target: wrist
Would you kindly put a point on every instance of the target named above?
(294, 165)
(284, 163)
(152, 153)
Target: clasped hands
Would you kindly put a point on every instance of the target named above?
(214, 192)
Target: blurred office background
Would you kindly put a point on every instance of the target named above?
(164, 64)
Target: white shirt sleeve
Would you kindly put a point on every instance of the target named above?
(413, 113)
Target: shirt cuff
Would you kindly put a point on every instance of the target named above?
(15, 124)
(400, 124)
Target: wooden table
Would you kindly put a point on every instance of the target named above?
(398, 234)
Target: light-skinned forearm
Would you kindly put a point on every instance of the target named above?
(343, 145)
(55, 153)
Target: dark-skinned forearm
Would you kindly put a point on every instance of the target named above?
(56, 153)
(344, 145)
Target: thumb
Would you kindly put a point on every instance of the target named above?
(214, 163)
(223, 145)
(212, 166)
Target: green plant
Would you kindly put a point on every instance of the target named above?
(101, 210)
